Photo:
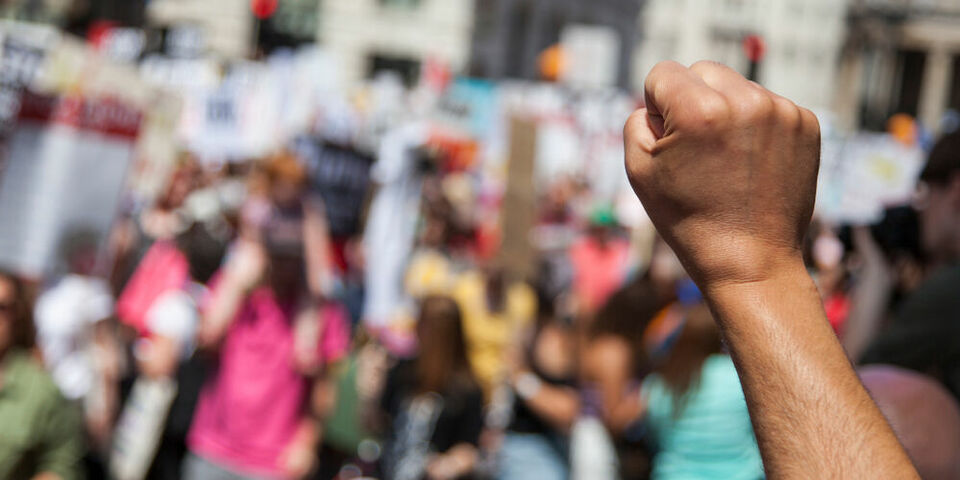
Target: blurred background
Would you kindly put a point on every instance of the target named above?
(394, 238)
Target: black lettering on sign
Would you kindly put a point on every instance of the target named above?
(341, 176)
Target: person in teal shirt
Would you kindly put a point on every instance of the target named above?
(695, 409)
(40, 432)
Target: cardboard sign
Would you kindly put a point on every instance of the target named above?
(516, 253)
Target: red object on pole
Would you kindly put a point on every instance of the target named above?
(754, 47)
(99, 32)
(263, 9)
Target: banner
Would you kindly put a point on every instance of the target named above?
(65, 169)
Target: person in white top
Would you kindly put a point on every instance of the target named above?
(75, 337)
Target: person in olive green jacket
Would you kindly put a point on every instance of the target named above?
(40, 432)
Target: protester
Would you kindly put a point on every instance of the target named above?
(42, 434)
(495, 310)
(600, 262)
(695, 409)
(253, 417)
(77, 339)
(613, 363)
(163, 359)
(727, 172)
(546, 404)
(432, 404)
(924, 334)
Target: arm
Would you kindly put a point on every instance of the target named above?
(727, 171)
(454, 463)
(243, 271)
(608, 362)
(61, 449)
(870, 296)
(559, 406)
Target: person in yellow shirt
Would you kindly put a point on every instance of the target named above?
(495, 313)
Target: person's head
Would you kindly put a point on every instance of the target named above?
(442, 359)
(626, 314)
(204, 251)
(184, 179)
(16, 318)
(286, 178)
(79, 250)
(697, 339)
(286, 271)
(924, 416)
(939, 204)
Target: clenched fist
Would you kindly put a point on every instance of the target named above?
(726, 170)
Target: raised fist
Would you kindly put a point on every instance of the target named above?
(725, 169)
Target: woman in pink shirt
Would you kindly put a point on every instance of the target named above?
(272, 339)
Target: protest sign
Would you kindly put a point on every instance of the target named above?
(862, 175)
(340, 175)
(65, 169)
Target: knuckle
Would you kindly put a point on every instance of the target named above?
(809, 122)
(711, 110)
(756, 105)
(705, 65)
(787, 113)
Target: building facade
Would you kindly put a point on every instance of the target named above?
(802, 40)
(366, 36)
(901, 56)
(228, 25)
(510, 35)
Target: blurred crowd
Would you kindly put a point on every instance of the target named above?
(236, 336)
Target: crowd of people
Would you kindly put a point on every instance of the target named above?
(229, 341)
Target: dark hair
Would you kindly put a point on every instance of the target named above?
(442, 361)
(944, 160)
(203, 250)
(698, 339)
(24, 335)
(627, 313)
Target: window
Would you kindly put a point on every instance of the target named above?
(400, 3)
(407, 68)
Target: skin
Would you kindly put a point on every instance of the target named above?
(727, 171)
(924, 415)
(557, 405)
(245, 270)
(607, 364)
(940, 220)
(6, 319)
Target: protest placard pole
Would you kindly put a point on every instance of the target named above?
(516, 254)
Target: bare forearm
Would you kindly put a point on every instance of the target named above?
(559, 406)
(868, 308)
(223, 308)
(812, 417)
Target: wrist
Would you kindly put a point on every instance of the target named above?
(772, 271)
(527, 385)
(787, 293)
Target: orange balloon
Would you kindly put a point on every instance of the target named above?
(552, 63)
(903, 128)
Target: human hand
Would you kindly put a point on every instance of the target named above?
(726, 170)
(247, 265)
(299, 459)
